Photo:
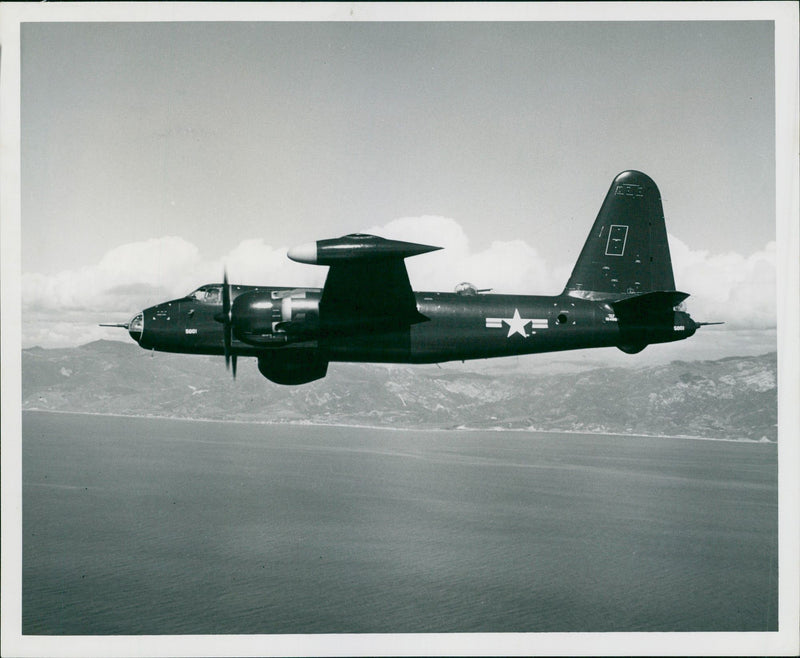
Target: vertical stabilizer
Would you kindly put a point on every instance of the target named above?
(626, 252)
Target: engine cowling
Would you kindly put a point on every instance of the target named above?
(292, 366)
(275, 317)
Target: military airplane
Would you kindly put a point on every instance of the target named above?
(621, 294)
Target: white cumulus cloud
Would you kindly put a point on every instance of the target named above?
(127, 273)
(739, 290)
(510, 267)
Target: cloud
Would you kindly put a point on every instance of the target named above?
(64, 308)
(252, 262)
(510, 267)
(128, 273)
(739, 290)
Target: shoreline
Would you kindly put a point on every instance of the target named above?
(453, 430)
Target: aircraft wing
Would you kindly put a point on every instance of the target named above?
(367, 288)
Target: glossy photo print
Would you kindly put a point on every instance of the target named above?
(342, 329)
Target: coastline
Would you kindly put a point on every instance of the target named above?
(455, 430)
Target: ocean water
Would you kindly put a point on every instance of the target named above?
(152, 526)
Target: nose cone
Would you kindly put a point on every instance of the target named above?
(136, 326)
(304, 253)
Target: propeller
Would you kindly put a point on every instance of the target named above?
(227, 324)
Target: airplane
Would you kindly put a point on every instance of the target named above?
(621, 294)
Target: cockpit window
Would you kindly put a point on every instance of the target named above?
(207, 294)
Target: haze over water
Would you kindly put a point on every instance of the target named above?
(150, 526)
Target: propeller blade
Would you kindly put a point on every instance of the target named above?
(226, 297)
(226, 318)
(226, 322)
(706, 324)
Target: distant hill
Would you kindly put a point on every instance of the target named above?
(734, 397)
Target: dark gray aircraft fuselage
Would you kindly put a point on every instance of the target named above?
(460, 327)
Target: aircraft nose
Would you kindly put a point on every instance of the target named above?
(135, 327)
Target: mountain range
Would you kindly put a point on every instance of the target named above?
(731, 398)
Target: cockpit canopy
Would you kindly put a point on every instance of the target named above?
(209, 294)
(466, 289)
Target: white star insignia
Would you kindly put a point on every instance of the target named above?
(516, 325)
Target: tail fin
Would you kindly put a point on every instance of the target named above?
(627, 252)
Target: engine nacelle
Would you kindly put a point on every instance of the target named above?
(292, 366)
(275, 317)
(299, 312)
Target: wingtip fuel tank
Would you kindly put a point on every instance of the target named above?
(355, 246)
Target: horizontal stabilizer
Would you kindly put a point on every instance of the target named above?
(647, 304)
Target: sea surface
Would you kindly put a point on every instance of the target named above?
(154, 526)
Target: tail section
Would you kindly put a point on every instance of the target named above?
(626, 252)
(625, 264)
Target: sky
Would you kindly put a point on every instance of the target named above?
(155, 154)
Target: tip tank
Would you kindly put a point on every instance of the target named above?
(355, 246)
